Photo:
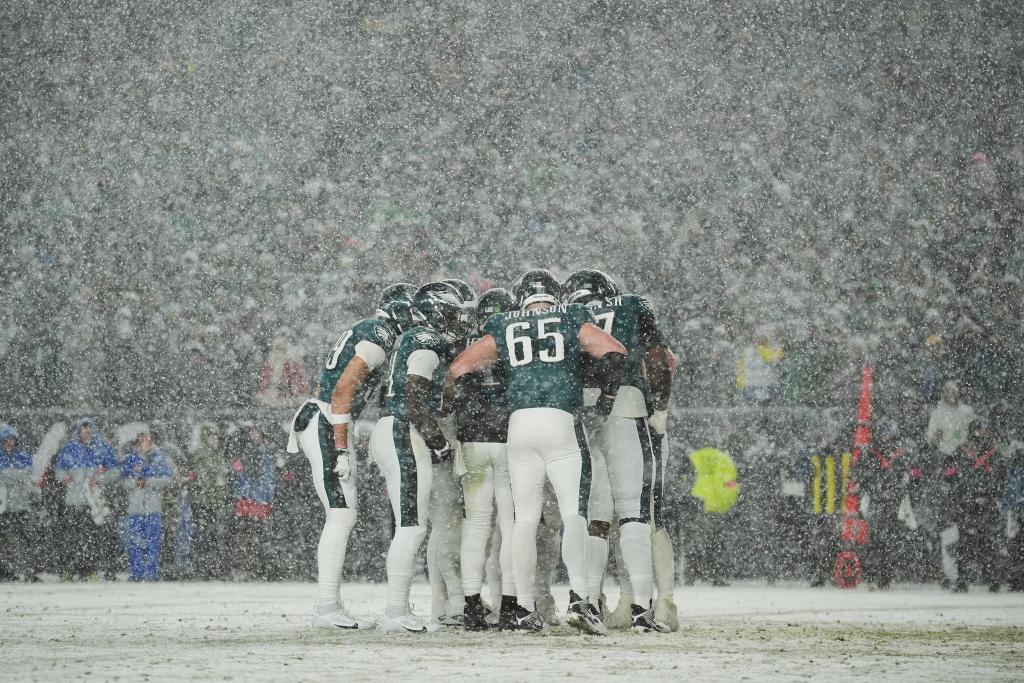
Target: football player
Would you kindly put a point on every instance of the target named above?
(539, 348)
(445, 513)
(407, 441)
(623, 454)
(482, 417)
(351, 372)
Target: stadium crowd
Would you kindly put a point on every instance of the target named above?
(799, 193)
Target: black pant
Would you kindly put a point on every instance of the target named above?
(16, 539)
(886, 533)
(981, 537)
(81, 541)
(211, 524)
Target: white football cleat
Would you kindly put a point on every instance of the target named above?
(338, 619)
(403, 623)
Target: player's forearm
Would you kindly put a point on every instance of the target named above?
(418, 390)
(342, 397)
(659, 374)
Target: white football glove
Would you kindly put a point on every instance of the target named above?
(658, 422)
(343, 467)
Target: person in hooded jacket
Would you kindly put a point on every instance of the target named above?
(208, 478)
(85, 464)
(145, 472)
(882, 474)
(1013, 503)
(975, 477)
(17, 559)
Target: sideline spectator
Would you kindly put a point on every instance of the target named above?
(1013, 503)
(882, 475)
(253, 466)
(17, 558)
(823, 471)
(85, 465)
(949, 420)
(145, 473)
(976, 478)
(208, 479)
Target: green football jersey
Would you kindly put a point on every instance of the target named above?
(416, 339)
(539, 354)
(631, 320)
(361, 337)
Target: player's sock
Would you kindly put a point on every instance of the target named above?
(401, 562)
(635, 539)
(574, 552)
(597, 561)
(330, 554)
(524, 557)
(663, 560)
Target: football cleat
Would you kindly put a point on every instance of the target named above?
(450, 621)
(338, 619)
(474, 614)
(523, 620)
(584, 617)
(644, 621)
(547, 607)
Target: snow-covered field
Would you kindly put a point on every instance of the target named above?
(250, 631)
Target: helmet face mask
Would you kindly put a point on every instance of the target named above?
(438, 305)
(588, 286)
(536, 286)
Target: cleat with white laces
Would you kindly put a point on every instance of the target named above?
(644, 621)
(522, 619)
(584, 616)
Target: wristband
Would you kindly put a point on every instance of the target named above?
(343, 419)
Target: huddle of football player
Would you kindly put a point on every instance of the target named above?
(547, 404)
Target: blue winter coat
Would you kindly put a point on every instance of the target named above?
(156, 471)
(15, 472)
(82, 461)
(1013, 498)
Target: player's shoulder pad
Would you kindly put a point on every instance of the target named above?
(494, 324)
(375, 331)
(424, 337)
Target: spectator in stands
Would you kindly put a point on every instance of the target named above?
(145, 472)
(882, 475)
(283, 377)
(976, 478)
(208, 475)
(757, 377)
(253, 465)
(17, 557)
(85, 465)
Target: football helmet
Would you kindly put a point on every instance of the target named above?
(395, 305)
(536, 286)
(466, 292)
(587, 285)
(439, 306)
(496, 300)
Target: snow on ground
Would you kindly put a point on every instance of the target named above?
(748, 631)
